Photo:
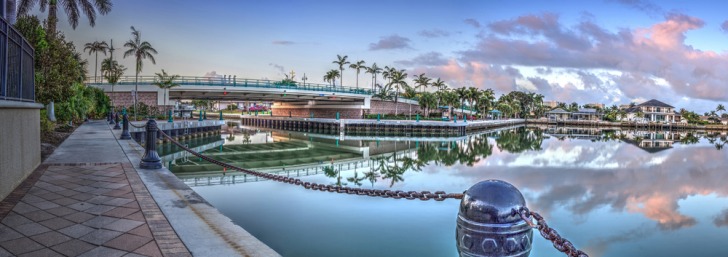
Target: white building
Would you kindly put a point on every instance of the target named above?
(652, 111)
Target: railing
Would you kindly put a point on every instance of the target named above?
(234, 82)
(17, 74)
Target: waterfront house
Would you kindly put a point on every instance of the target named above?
(652, 111)
(586, 114)
(558, 114)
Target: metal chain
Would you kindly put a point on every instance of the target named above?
(560, 243)
(398, 194)
(132, 124)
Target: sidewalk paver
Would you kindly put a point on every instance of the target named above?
(69, 207)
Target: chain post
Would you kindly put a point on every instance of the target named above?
(489, 224)
(151, 159)
(125, 132)
(116, 119)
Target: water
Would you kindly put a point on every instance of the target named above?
(612, 193)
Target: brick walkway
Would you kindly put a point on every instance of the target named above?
(85, 209)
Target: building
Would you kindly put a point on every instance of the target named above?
(550, 104)
(651, 111)
(594, 105)
(558, 114)
(586, 114)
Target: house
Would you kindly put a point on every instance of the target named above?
(652, 142)
(651, 111)
(586, 114)
(558, 114)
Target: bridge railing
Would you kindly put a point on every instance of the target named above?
(234, 83)
(17, 66)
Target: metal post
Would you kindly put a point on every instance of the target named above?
(205, 113)
(418, 118)
(337, 115)
(379, 116)
(489, 223)
(256, 112)
(221, 115)
(151, 159)
(311, 115)
(125, 132)
(200, 118)
(169, 118)
(108, 117)
(116, 119)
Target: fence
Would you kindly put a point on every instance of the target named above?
(17, 74)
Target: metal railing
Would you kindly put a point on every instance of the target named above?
(234, 82)
(17, 67)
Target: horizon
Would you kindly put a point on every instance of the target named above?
(610, 52)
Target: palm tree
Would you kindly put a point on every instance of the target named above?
(140, 50)
(720, 108)
(73, 8)
(473, 96)
(439, 84)
(357, 66)
(397, 79)
(331, 76)
(422, 81)
(112, 72)
(341, 62)
(462, 94)
(96, 47)
(374, 70)
(485, 100)
(165, 82)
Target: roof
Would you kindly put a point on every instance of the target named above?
(657, 103)
(557, 110)
(587, 110)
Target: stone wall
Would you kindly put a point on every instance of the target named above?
(387, 107)
(19, 143)
(125, 99)
(318, 113)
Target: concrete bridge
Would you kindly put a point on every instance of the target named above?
(294, 99)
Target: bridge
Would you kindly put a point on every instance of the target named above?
(234, 89)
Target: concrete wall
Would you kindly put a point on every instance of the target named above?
(19, 143)
(386, 107)
(318, 113)
(125, 99)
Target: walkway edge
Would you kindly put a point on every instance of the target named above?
(201, 227)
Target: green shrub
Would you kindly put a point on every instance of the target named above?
(46, 125)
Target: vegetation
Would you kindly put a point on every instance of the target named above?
(341, 61)
(73, 9)
(140, 50)
(165, 81)
(96, 47)
(112, 72)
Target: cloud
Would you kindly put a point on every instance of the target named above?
(724, 26)
(642, 55)
(472, 22)
(390, 42)
(279, 68)
(498, 77)
(434, 33)
(721, 219)
(645, 6)
(426, 59)
(212, 74)
(283, 42)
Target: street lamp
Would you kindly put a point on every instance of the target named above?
(304, 78)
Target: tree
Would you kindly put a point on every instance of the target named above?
(331, 76)
(96, 47)
(485, 101)
(473, 96)
(720, 108)
(165, 82)
(397, 79)
(427, 101)
(357, 66)
(112, 72)
(439, 84)
(140, 50)
(374, 70)
(462, 95)
(422, 82)
(341, 61)
(73, 8)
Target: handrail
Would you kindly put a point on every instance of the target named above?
(234, 83)
(17, 65)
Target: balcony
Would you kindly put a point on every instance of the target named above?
(17, 75)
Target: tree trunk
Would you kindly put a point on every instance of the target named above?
(52, 17)
(357, 79)
(136, 91)
(96, 74)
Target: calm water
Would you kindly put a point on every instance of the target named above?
(613, 193)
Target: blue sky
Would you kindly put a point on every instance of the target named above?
(611, 51)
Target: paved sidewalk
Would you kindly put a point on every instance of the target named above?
(86, 200)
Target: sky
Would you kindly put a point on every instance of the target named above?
(602, 51)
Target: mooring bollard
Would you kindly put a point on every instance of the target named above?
(151, 159)
(489, 223)
(111, 117)
(200, 119)
(108, 117)
(125, 132)
(116, 119)
(379, 116)
(221, 116)
(337, 115)
(170, 118)
(418, 118)
(205, 113)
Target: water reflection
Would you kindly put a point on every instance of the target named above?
(661, 186)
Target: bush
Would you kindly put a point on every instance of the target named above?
(46, 125)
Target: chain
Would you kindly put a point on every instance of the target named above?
(132, 124)
(398, 194)
(560, 243)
